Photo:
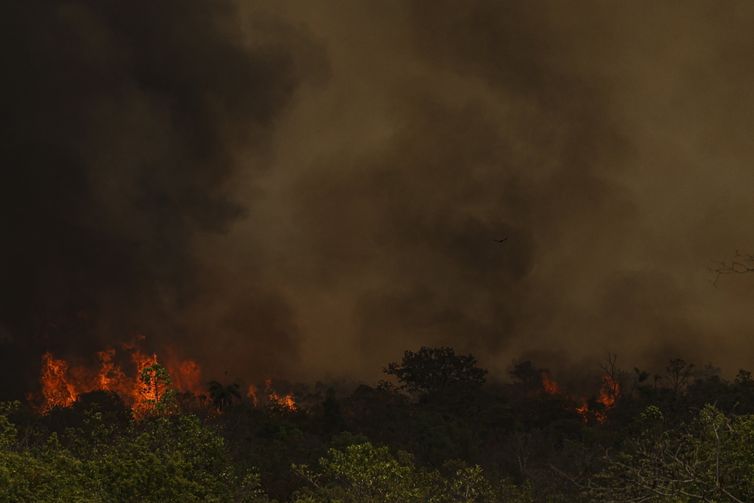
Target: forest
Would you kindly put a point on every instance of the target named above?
(438, 428)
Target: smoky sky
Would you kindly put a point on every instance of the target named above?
(306, 189)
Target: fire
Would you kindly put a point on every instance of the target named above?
(583, 410)
(609, 392)
(186, 376)
(251, 393)
(608, 397)
(146, 390)
(56, 389)
(548, 383)
(62, 384)
(286, 401)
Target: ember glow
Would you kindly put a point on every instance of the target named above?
(608, 396)
(62, 383)
(550, 386)
(272, 397)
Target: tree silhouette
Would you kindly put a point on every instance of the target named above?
(222, 396)
(430, 370)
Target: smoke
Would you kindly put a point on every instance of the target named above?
(124, 127)
(295, 189)
(606, 141)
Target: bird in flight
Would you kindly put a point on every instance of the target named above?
(503, 240)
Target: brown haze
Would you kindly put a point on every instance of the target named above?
(306, 189)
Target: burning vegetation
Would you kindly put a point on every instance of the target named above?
(61, 383)
(140, 379)
(530, 438)
(606, 399)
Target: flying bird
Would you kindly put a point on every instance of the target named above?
(503, 240)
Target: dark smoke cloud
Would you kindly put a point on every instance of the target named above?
(123, 126)
(298, 188)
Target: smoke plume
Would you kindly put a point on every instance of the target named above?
(299, 189)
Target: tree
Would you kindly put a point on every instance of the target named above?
(431, 370)
(710, 459)
(222, 396)
(364, 473)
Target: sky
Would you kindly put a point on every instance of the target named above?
(307, 189)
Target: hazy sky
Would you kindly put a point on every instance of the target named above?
(305, 189)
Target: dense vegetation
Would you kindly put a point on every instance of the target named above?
(441, 430)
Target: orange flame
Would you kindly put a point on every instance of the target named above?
(548, 384)
(583, 411)
(286, 401)
(61, 384)
(56, 389)
(145, 391)
(251, 393)
(609, 392)
(608, 397)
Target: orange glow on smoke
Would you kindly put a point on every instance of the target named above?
(251, 393)
(62, 384)
(548, 384)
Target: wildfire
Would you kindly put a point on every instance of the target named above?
(56, 389)
(146, 390)
(251, 393)
(548, 383)
(609, 392)
(62, 384)
(583, 410)
(607, 398)
(285, 401)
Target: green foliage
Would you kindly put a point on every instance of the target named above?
(160, 459)
(469, 442)
(157, 378)
(709, 459)
(363, 473)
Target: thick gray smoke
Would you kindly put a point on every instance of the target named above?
(306, 188)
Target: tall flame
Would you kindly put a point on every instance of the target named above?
(145, 391)
(57, 391)
(62, 384)
(609, 394)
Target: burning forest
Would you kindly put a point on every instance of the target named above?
(278, 251)
(318, 441)
(142, 386)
